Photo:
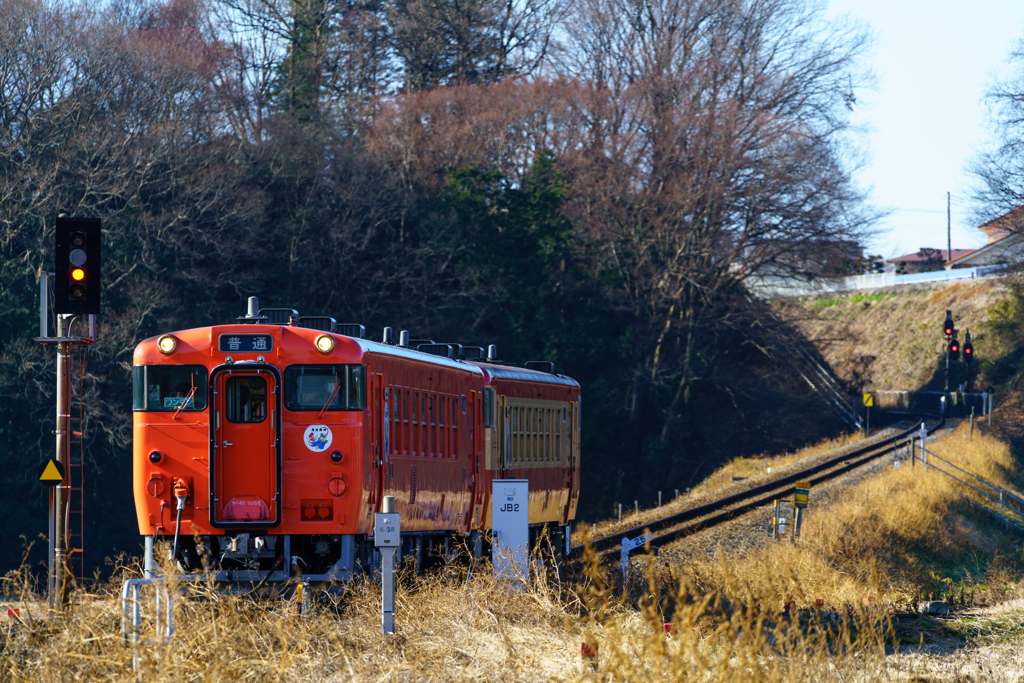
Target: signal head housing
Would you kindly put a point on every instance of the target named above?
(77, 261)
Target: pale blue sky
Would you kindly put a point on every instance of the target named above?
(933, 62)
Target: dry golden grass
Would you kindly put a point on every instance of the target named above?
(450, 628)
(888, 540)
(906, 535)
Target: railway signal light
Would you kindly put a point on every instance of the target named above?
(954, 350)
(968, 347)
(947, 326)
(77, 258)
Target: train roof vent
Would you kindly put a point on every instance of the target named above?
(354, 330)
(540, 366)
(444, 350)
(318, 322)
(456, 350)
(473, 352)
(279, 316)
(416, 343)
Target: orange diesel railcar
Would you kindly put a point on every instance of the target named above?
(276, 438)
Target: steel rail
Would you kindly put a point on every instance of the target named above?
(742, 501)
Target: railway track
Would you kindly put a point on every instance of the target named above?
(690, 521)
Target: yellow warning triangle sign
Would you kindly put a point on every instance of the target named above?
(51, 472)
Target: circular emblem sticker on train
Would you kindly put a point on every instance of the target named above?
(317, 438)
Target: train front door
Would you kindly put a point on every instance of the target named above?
(245, 448)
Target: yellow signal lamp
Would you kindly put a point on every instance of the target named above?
(167, 344)
(77, 274)
(324, 343)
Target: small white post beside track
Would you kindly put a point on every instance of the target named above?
(630, 544)
(386, 534)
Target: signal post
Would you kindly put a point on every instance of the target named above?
(76, 298)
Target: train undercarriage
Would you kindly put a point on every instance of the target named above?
(259, 557)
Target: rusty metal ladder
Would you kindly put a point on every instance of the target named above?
(74, 484)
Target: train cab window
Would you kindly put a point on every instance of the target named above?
(168, 387)
(311, 387)
(488, 406)
(245, 399)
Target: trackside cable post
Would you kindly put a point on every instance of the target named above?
(386, 535)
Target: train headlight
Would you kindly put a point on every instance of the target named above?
(167, 344)
(324, 343)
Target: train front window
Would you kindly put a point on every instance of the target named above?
(311, 387)
(168, 387)
(246, 399)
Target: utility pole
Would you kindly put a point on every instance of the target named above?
(949, 234)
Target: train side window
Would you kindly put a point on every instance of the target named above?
(535, 427)
(488, 406)
(424, 433)
(167, 387)
(396, 424)
(463, 404)
(403, 427)
(556, 438)
(545, 455)
(245, 399)
(455, 425)
(513, 436)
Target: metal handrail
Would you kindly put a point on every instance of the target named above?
(991, 512)
(130, 603)
(998, 515)
(1002, 491)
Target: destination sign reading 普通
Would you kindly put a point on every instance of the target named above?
(246, 343)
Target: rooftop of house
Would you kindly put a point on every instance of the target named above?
(918, 256)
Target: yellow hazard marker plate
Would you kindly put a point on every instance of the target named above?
(51, 472)
(803, 490)
(869, 400)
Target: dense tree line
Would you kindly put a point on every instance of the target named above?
(587, 182)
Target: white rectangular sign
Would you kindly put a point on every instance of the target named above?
(510, 507)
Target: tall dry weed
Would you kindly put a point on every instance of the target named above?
(888, 540)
